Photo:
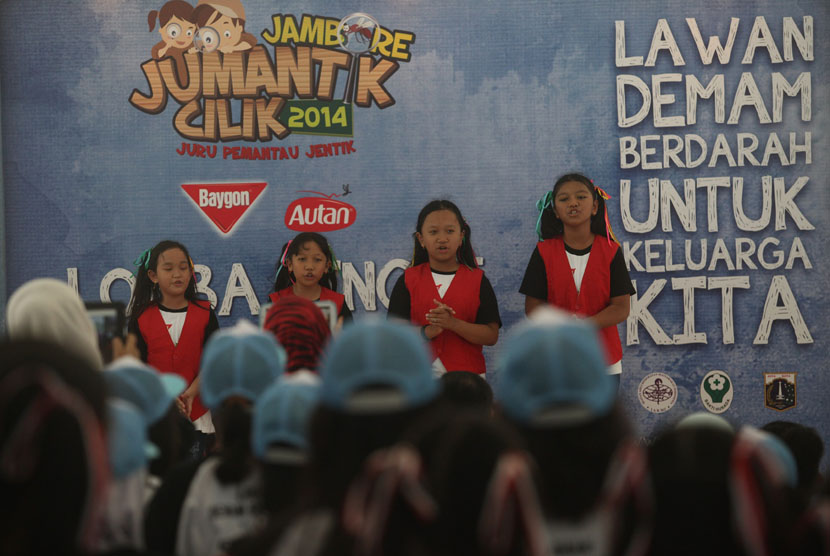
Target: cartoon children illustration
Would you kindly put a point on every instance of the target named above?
(176, 28)
(221, 27)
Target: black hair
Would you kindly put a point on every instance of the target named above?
(285, 279)
(457, 451)
(73, 370)
(54, 476)
(807, 448)
(689, 469)
(146, 292)
(233, 431)
(174, 435)
(465, 389)
(574, 461)
(465, 254)
(460, 451)
(339, 442)
(692, 472)
(551, 226)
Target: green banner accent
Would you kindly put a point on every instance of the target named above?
(316, 117)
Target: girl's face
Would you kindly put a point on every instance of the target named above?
(441, 236)
(178, 33)
(309, 264)
(574, 204)
(172, 274)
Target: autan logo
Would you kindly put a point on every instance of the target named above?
(319, 214)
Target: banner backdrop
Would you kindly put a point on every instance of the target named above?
(234, 126)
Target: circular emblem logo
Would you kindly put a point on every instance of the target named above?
(657, 392)
(358, 33)
(716, 391)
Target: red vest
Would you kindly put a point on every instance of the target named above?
(456, 353)
(595, 291)
(182, 358)
(325, 295)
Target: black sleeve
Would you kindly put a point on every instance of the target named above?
(400, 304)
(535, 281)
(620, 280)
(132, 328)
(161, 520)
(212, 326)
(346, 313)
(488, 305)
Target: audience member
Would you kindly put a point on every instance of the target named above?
(376, 380)
(53, 457)
(720, 492)
(201, 507)
(555, 387)
(465, 389)
(280, 444)
(301, 329)
(49, 310)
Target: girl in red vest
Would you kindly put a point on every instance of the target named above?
(171, 323)
(577, 264)
(445, 293)
(307, 268)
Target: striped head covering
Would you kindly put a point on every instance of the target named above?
(301, 330)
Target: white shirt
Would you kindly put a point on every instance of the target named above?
(578, 264)
(122, 521)
(214, 514)
(175, 322)
(442, 284)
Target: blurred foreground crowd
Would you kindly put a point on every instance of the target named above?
(350, 446)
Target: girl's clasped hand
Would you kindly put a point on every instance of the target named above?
(441, 315)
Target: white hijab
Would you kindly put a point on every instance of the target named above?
(49, 310)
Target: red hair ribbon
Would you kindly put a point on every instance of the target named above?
(511, 494)
(388, 474)
(609, 233)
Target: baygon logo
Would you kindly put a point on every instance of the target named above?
(319, 214)
(224, 203)
(224, 199)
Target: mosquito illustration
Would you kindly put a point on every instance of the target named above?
(358, 32)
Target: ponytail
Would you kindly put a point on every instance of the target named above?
(151, 19)
(233, 419)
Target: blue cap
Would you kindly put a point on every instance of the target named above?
(377, 353)
(553, 372)
(239, 361)
(151, 391)
(281, 416)
(127, 442)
